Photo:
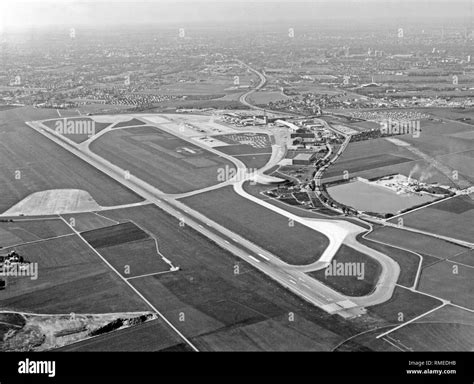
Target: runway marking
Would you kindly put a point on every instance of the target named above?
(292, 281)
(264, 257)
(253, 258)
(235, 240)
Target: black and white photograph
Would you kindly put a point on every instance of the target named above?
(277, 176)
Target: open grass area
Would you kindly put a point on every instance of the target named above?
(29, 163)
(296, 244)
(407, 261)
(355, 284)
(161, 159)
(71, 278)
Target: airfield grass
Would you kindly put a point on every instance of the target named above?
(217, 303)
(87, 221)
(71, 278)
(161, 159)
(131, 122)
(351, 285)
(43, 165)
(452, 218)
(22, 231)
(254, 161)
(296, 244)
(449, 281)
(407, 261)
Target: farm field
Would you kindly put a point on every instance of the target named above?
(32, 163)
(130, 250)
(260, 225)
(416, 242)
(135, 258)
(403, 306)
(436, 337)
(450, 281)
(465, 258)
(351, 285)
(161, 159)
(216, 302)
(114, 235)
(71, 278)
(148, 337)
(78, 138)
(88, 221)
(22, 231)
(446, 329)
(451, 218)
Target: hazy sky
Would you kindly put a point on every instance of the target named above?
(162, 12)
